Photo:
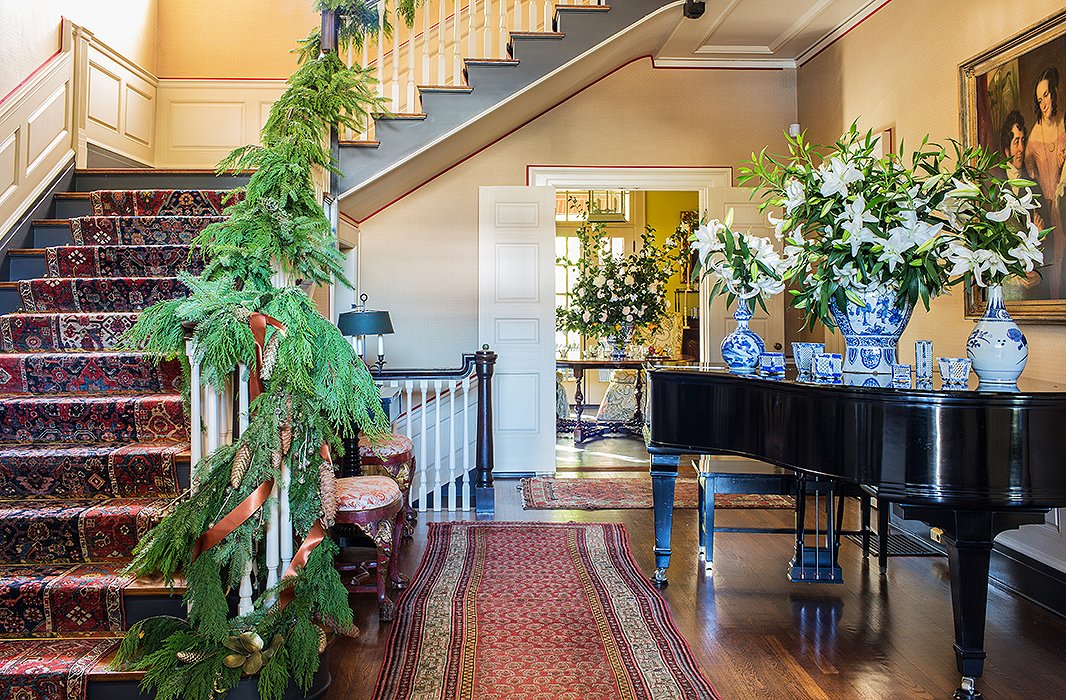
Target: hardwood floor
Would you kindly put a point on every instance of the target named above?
(757, 635)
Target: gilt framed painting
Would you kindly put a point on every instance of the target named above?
(1013, 101)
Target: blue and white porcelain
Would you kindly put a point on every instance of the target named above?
(619, 341)
(878, 381)
(871, 330)
(901, 374)
(997, 346)
(772, 363)
(803, 353)
(923, 359)
(954, 371)
(741, 348)
(827, 365)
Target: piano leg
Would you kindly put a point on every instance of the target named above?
(663, 475)
(968, 537)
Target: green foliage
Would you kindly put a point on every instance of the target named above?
(318, 388)
(358, 21)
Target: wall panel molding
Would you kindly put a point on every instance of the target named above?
(200, 121)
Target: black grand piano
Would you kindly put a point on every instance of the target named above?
(974, 462)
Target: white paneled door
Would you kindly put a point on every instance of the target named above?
(770, 326)
(516, 318)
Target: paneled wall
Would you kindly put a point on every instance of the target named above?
(35, 137)
(200, 121)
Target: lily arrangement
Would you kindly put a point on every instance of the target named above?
(748, 267)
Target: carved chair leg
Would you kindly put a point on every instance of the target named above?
(385, 549)
(396, 577)
(410, 515)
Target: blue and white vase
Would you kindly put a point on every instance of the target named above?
(618, 342)
(871, 331)
(741, 348)
(997, 346)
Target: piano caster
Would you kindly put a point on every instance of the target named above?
(659, 578)
(968, 690)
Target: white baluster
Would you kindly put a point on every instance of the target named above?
(411, 107)
(438, 481)
(422, 489)
(487, 29)
(517, 16)
(381, 50)
(441, 53)
(423, 77)
(467, 487)
(504, 34)
(211, 418)
(456, 41)
(196, 436)
(471, 33)
(394, 89)
(365, 134)
(548, 20)
(285, 518)
(244, 602)
(453, 471)
(532, 26)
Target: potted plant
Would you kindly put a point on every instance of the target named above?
(749, 270)
(865, 235)
(995, 238)
(615, 293)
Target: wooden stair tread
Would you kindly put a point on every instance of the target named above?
(72, 195)
(538, 35)
(499, 61)
(9, 285)
(445, 88)
(156, 171)
(583, 8)
(103, 671)
(51, 222)
(27, 251)
(400, 116)
(361, 144)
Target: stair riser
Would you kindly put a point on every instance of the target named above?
(127, 474)
(122, 261)
(89, 374)
(87, 182)
(48, 235)
(135, 294)
(26, 267)
(62, 332)
(86, 420)
(70, 208)
(74, 534)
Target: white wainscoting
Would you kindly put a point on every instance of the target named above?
(116, 100)
(200, 121)
(36, 140)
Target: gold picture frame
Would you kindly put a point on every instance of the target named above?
(1000, 110)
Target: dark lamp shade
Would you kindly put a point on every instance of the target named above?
(353, 323)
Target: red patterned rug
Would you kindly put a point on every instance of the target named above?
(49, 669)
(535, 611)
(586, 493)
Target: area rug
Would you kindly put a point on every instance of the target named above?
(49, 669)
(551, 493)
(535, 611)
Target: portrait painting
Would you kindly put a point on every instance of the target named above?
(1014, 98)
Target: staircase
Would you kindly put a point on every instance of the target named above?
(441, 113)
(94, 441)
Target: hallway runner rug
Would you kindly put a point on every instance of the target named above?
(535, 611)
(587, 493)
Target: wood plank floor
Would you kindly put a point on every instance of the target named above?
(757, 635)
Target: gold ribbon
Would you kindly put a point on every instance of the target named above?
(257, 498)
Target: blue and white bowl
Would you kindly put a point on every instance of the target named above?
(827, 365)
(803, 354)
(772, 363)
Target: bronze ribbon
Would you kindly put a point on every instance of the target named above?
(234, 519)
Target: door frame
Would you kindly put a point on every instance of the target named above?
(703, 180)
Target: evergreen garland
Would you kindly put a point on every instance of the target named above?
(315, 390)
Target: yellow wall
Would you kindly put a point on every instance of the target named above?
(636, 116)
(30, 32)
(900, 69)
(662, 211)
(233, 38)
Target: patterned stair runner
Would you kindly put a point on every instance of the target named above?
(91, 435)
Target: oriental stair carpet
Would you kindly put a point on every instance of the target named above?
(535, 611)
(588, 493)
(93, 438)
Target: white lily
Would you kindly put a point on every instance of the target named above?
(854, 219)
(836, 176)
(964, 189)
(705, 240)
(778, 224)
(795, 196)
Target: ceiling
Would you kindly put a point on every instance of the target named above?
(761, 33)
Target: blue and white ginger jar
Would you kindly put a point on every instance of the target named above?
(871, 331)
(741, 348)
(997, 346)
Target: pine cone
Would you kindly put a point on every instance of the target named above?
(322, 639)
(286, 438)
(270, 356)
(327, 491)
(276, 460)
(241, 461)
(189, 656)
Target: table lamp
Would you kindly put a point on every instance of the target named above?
(361, 322)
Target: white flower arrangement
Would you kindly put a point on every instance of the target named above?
(748, 267)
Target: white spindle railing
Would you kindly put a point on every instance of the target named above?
(440, 418)
(432, 49)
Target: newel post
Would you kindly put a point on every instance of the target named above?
(484, 495)
(328, 43)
